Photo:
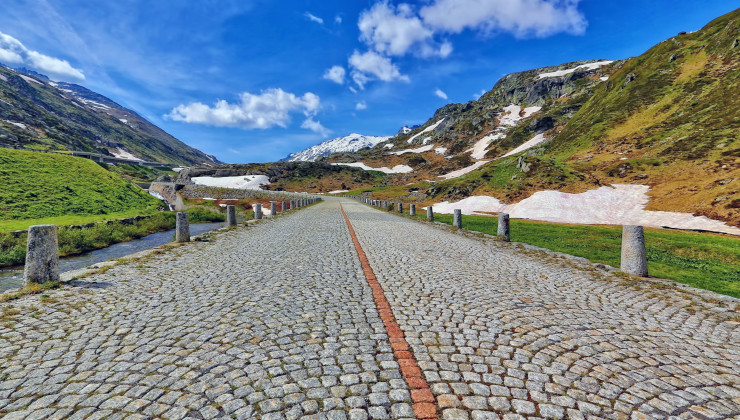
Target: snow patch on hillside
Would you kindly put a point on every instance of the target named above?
(338, 191)
(123, 154)
(17, 124)
(465, 170)
(534, 141)
(589, 66)
(441, 150)
(619, 204)
(350, 143)
(479, 148)
(421, 149)
(29, 79)
(398, 169)
(426, 130)
(511, 115)
(244, 182)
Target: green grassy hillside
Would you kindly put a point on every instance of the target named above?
(51, 188)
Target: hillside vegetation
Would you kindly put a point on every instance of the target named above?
(53, 188)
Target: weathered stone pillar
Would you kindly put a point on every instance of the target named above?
(257, 211)
(400, 207)
(230, 215)
(282, 206)
(457, 219)
(430, 213)
(273, 208)
(292, 204)
(42, 255)
(412, 210)
(182, 227)
(503, 227)
(634, 256)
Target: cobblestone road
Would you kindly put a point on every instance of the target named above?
(278, 321)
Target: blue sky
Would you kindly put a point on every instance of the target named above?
(254, 80)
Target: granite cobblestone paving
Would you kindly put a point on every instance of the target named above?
(277, 321)
(504, 333)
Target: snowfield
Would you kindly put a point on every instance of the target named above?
(465, 170)
(338, 191)
(123, 154)
(350, 143)
(426, 130)
(620, 204)
(421, 149)
(244, 182)
(479, 148)
(510, 117)
(534, 141)
(398, 169)
(17, 124)
(589, 66)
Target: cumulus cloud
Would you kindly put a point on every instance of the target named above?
(371, 65)
(441, 94)
(335, 74)
(338, 19)
(313, 18)
(269, 108)
(13, 52)
(523, 18)
(361, 105)
(315, 126)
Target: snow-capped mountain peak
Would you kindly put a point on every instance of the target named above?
(350, 143)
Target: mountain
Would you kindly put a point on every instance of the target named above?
(37, 113)
(666, 123)
(350, 143)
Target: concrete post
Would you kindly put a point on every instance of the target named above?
(273, 208)
(182, 227)
(503, 227)
(257, 211)
(230, 215)
(42, 255)
(430, 214)
(457, 219)
(292, 204)
(634, 256)
(400, 207)
(282, 206)
(412, 210)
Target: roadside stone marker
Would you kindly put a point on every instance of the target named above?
(430, 214)
(257, 211)
(42, 255)
(292, 204)
(282, 206)
(400, 207)
(182, 227)
(412, 210)
(457, 219)
(634, 256)
(230, 215)
(273, 208)
(503, 227)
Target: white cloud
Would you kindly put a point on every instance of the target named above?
(371, 64)
(361, 105)
(313, 18)
(270, 108)
(441, 94)
(338, 19)
(523, 18)
(14, 52)
(315, 126)
(335, 74)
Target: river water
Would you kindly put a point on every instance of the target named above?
(13, 278)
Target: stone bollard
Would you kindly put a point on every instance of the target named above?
(42, 255)
(412, 210)
(634, 256)
(400, 207)
(273, 208)
(230, 215)
(430, 213)
(292, 204)
(282, 207)
(257, 211)
(182, 227)
(503, 227)
(457, 219)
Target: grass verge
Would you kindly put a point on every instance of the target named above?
(703, 260)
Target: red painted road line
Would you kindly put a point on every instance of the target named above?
(424, 403)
